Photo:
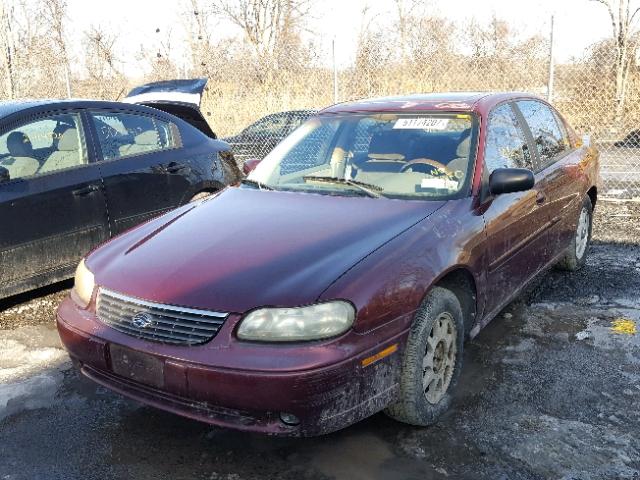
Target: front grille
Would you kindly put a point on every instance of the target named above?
(157, 322)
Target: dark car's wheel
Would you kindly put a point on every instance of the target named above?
(576, 255)
(432, 360)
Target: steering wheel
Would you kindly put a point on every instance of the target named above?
(435, 165)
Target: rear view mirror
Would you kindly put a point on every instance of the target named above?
(509, 180)
(4, 175)
(250, 165)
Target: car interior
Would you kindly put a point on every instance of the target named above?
(57, 147)
(400, 161)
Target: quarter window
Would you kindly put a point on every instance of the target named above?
(548, 137)
(506, 146)
(43, 146)
(126, 134)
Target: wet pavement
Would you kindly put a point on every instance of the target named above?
(550, 389)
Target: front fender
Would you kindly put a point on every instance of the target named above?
(390, 284)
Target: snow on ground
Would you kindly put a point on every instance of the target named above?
(32, 362)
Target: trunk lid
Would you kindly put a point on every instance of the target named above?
(181, 98)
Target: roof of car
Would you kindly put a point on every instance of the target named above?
(10, 107)
(458, 101)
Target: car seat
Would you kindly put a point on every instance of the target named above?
(461, 162)
(22, 162)
(143, 142)
(68, 153)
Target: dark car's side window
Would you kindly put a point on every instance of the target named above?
(549, 138)
(44, 145)
(506, 145)
(126, 134)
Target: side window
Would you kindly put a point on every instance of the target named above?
(549, 138)
(269, 125)
(506, 146)
(126, 134)
(43, 146)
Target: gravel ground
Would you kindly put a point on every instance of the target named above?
(550, 389)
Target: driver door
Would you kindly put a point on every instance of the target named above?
(52, 207)
(516, 223)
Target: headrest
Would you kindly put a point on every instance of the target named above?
(68, 141)
(464, 147)
(19, 145)
(150, 137)
(387, 145)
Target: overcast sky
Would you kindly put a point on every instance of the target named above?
(578, 23)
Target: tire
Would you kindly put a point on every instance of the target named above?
(576, 254)
(415, 404)
(200, 196)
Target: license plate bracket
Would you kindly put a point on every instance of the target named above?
(137, 366)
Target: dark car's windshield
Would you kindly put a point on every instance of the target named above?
(408, 155)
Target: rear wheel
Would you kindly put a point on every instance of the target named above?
(432, 360)
(576, 254)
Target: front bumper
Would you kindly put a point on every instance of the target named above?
(323, 396)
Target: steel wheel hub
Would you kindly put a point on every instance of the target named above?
(440, 358)
(582, 234)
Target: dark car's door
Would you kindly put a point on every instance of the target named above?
(143, 165)
(557, 166)
(516, 224)
(52, 209)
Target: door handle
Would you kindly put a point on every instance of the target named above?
(540, 198)
(174, 167)
(84, 191)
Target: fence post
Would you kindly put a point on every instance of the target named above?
(551, 65)
(335, 71)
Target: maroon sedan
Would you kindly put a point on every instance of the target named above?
(343, 276)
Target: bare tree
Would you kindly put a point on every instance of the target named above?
(101, 62)
(8, 47)
(622, 30)
(267, 24)
(56, 18)
(198, 22)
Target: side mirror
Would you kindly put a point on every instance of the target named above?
(4, 175)
(509, 180)
(250, 165)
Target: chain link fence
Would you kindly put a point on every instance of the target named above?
(596, 86)
(434, 54)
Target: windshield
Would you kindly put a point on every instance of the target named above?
(403, 155)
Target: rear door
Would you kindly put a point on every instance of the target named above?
(557, 168)
(516, 225)
(142, 163)
(181, 98)
(52, 209)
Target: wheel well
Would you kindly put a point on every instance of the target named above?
(460, 281)
(593, 195)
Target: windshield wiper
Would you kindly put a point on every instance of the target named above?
(256, 184)
(369, 189)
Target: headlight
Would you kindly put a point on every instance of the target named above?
(84, 284)
(294, 324)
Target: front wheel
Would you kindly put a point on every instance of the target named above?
(576, 254)
(432, 360)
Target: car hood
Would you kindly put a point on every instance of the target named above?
(246, 248)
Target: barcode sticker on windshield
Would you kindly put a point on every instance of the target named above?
(423, 123)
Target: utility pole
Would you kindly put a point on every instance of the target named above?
(551, 65)
(335, 71)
